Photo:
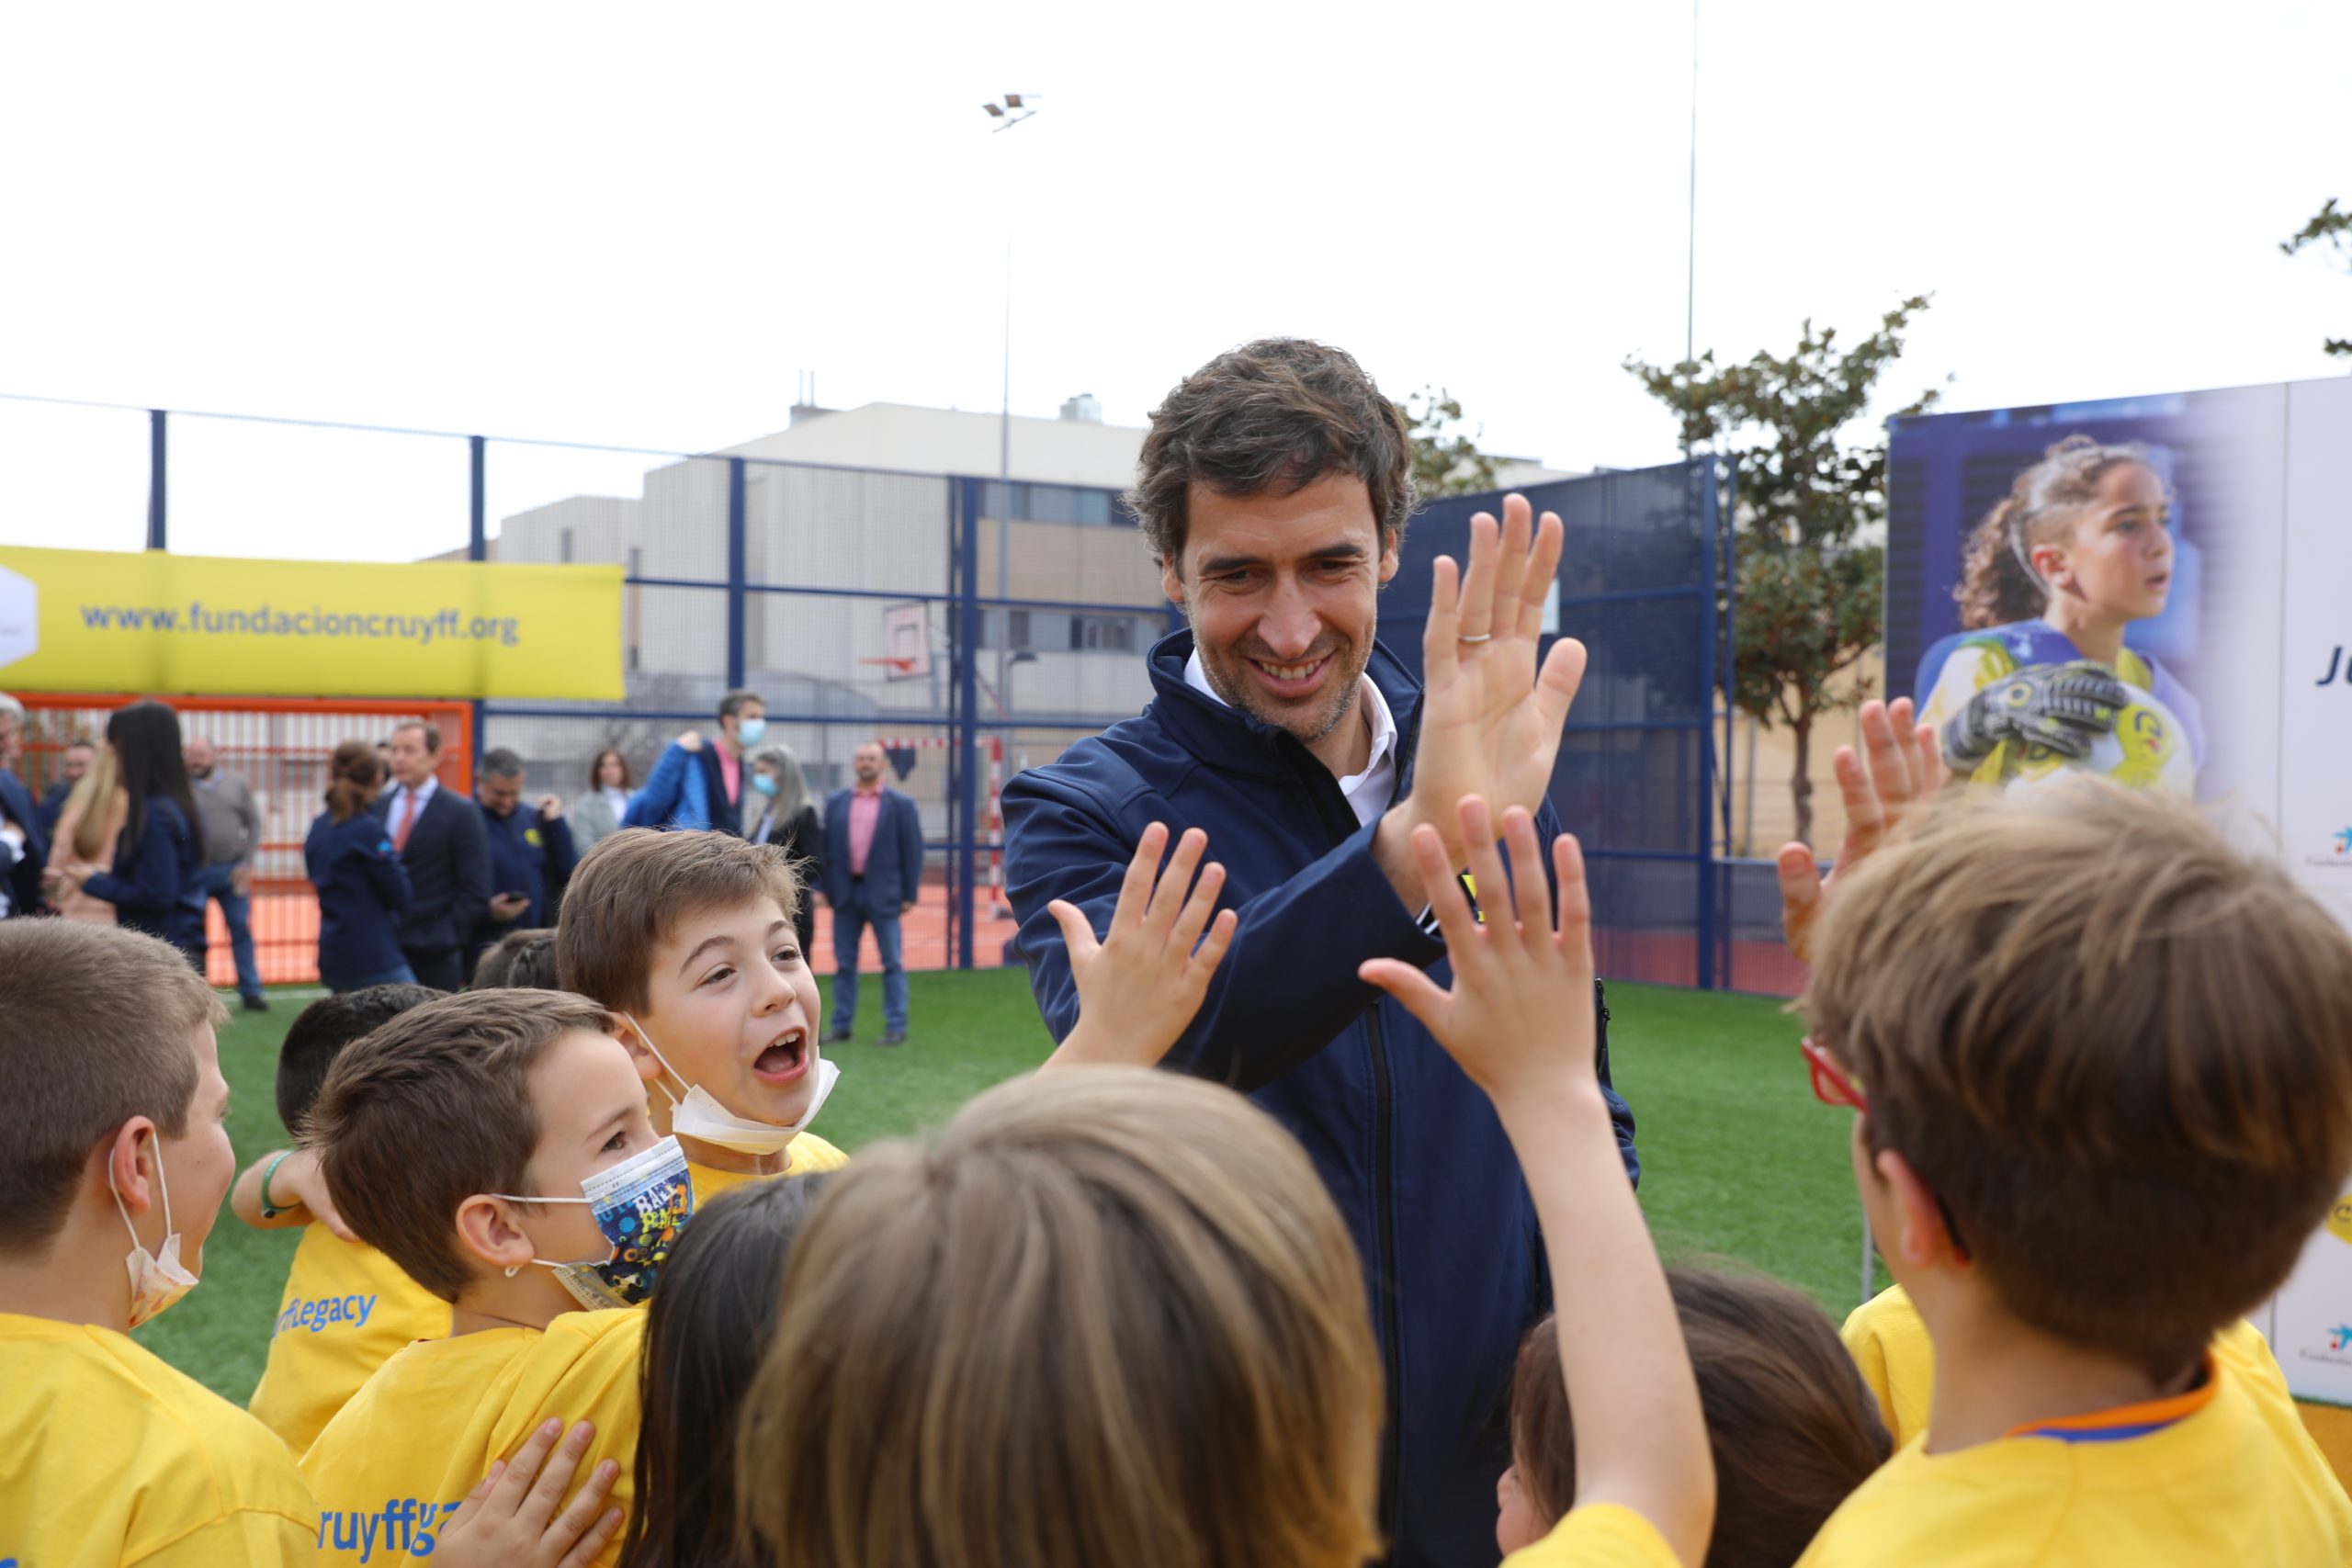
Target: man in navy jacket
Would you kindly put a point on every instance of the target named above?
(873, 871)
(531, 854)
(439, 839)
(1273, 487)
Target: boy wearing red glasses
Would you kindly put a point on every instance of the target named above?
(2104, 1067)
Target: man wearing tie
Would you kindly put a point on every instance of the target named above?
(873, 869)
(439, 838)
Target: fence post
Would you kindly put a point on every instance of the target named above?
(156, 470)
(477, 549)
(968, 705)
(1702, 476)
(735, 573)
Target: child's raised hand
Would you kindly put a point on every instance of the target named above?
(1518, 1018)
(1139, 986)
(1904, 770)
(513, 1519)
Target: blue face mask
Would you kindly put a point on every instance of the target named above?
(766, 783)
(749, 730)
(641, 1206)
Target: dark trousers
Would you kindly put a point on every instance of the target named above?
(850, 920)
(443, 970)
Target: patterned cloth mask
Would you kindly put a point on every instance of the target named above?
(642, 1205)
(157, 1280)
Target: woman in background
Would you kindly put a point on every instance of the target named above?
(92, 820)
(786, 816)
(2078, 550)
(363, 887)
(599, 811)
(156, 881)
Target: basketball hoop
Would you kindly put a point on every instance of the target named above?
(897, 666)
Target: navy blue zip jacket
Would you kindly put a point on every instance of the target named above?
(362, 891)
(529, 852)
(157, 882)
(1411, 1148)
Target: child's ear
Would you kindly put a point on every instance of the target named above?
(128, 1159)
(1922, 1239)
(485, 1232)
(648, 1068)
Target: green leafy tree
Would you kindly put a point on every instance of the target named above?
(2330, 232)
(1446, 459)
(1812, 498)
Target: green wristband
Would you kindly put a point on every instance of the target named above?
(269, 1211)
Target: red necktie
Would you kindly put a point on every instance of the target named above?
(408, 820)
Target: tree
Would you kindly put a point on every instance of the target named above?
(1811, 582)
(2331, 229)
(1445, 460)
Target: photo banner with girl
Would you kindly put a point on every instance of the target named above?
(2157, 589)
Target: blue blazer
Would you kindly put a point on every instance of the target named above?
(23, 871)
(893, 863)
(363, 891)
(157, 882)
(686, 790)
(447, 859)
(1410, 1147)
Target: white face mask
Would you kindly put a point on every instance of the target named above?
(699, 1114)
(156, 1281)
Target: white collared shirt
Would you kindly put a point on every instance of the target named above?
(1368, 792)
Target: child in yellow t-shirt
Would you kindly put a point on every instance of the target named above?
(2104, 1067)
(1176, 1361)
(112, 1131)
(688, 937)
(1792, 1427)
(347, 1307)
(495, 1146)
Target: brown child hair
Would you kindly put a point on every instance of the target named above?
(2118, 1050)
(1997, 582)
(431, 1109)
(1793, 1426)
(630, 890)
(1174, 1363)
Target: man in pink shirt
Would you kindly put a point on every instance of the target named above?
(873, 874)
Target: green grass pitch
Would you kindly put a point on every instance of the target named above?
(1738, 1160)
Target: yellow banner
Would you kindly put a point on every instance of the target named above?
(101, 621)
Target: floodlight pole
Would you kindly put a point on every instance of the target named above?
(1690, 253)
(1007, 113)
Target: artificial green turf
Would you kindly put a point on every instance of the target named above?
(1738, 1159)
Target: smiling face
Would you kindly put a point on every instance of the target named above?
(730, 1004)
(500, 795)
(2117, 557)
(590, 1108)
(1283, 593)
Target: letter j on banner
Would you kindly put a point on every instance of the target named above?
(100, 621)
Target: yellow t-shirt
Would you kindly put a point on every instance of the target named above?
(108, 1456)
(2234, 1480)
(811, 1153)
(402, 1454)
(1890, 1344)
(1598, 1535)
(346, 1309)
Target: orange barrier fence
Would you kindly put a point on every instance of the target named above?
(280, 746)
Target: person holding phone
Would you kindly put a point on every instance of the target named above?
(531, 853)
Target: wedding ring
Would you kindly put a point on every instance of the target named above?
(1482, 636)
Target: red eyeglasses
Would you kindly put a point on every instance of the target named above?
(1830, 1084)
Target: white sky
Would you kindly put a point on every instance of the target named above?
(638, 224)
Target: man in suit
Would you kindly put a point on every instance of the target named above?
(696, 785)
(439, 839)
(78, 757)
(23, 848)
(531, 856)
(873, 869)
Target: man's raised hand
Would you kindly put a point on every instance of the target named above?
(1139, 986)
(1490, 720)
(1904, 773)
